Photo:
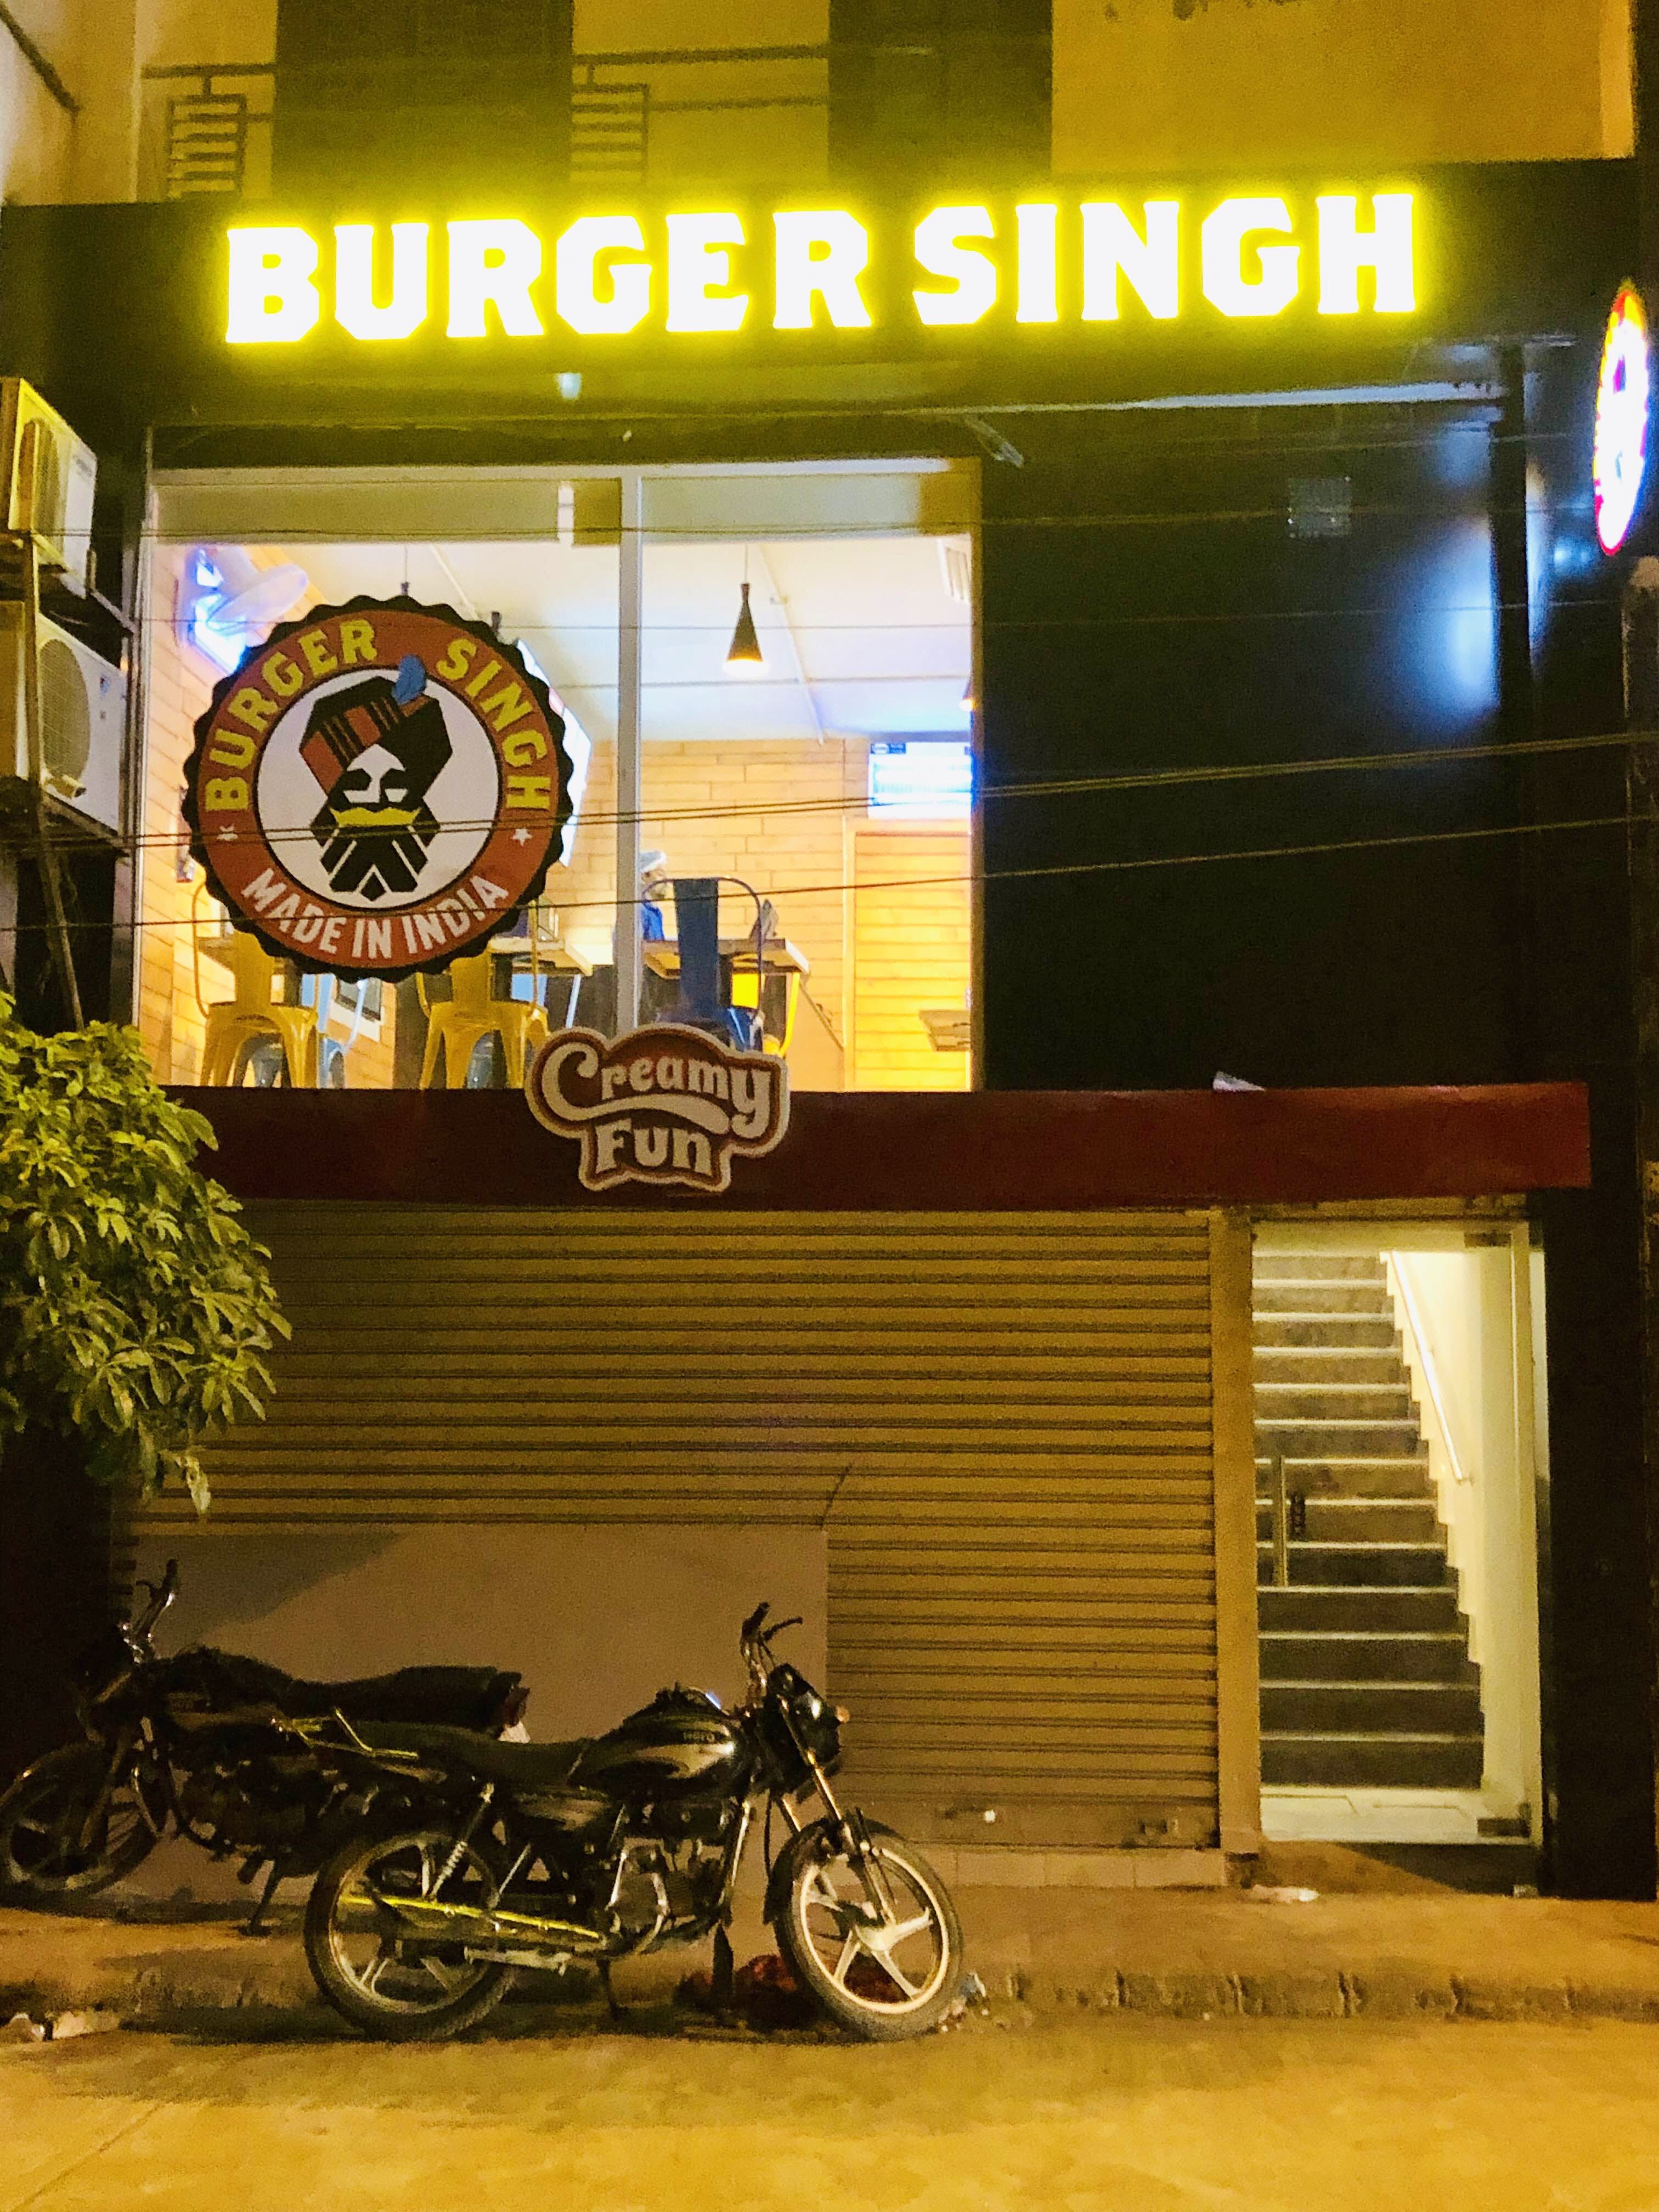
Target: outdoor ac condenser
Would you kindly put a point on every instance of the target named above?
(83, 715)
(47, 479)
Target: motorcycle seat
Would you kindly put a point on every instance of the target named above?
(520, 1765)
(455, 1697)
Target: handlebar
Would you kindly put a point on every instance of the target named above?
(755, 1642)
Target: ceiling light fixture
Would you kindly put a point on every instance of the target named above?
(743, 653)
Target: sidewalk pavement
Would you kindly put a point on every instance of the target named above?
(1188, 1954)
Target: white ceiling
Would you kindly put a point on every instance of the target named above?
(863, 636)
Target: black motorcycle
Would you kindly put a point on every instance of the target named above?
(476, 1859)
(203, 1743)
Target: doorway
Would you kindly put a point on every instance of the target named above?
(1400, 1452)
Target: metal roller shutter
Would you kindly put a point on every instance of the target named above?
(1005, 1421)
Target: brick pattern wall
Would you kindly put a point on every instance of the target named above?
(776, 814)
(179, 684)
(911, 939)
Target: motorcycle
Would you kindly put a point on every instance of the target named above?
(203, 1743)
(475, 1860)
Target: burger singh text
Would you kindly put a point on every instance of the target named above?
(661, 1105)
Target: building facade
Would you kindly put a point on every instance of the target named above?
(1183, 662)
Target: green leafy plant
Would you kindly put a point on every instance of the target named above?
(134, 1307)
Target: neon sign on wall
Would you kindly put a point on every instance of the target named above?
(1040, 263)
(1623, 401)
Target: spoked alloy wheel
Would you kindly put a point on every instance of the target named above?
(55, 1841)
(884, 1972)
(387, 1984)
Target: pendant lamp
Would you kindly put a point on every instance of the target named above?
(745, 651)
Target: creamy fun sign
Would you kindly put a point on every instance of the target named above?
(662, 1105)
(703, 275)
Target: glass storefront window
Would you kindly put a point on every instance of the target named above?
(822, 788)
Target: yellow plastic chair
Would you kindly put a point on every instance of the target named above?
(745, 992)
(249, 1017)
(456, 1026)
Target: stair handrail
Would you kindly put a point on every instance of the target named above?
(1281, 1520)
(1425, 1361)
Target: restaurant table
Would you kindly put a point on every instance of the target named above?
(661, 955)
(553, 955)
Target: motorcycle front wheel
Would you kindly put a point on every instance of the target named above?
(402, 1989)
(885, 1967)
(55, 1839)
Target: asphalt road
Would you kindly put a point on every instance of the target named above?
(1149, 2115)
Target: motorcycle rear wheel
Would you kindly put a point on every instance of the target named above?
(42, 1816)
(884, 1975)
(401, 1990)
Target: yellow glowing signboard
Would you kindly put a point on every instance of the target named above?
(714, 271)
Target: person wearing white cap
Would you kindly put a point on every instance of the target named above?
(653, 881)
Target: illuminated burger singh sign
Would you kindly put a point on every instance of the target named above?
(378, 788)
(661, 1105)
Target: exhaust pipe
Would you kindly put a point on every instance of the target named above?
(476, 1924)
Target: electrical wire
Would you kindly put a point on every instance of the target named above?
(967, 878)
(1415, 756)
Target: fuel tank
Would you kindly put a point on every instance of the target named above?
(681, 1745)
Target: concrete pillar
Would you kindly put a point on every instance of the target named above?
(1641, 642)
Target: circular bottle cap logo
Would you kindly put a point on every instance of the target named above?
(378, 789)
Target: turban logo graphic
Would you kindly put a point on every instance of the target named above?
(376, 751)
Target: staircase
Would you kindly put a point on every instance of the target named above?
(1366, 1680)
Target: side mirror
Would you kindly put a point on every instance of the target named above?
(160, 1599)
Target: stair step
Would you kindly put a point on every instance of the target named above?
(1372, 1708)
(1379, 1608)
(1356, 1566)
(1299, 1400)
(1320, 1363)
(1325, 1331)
(1349, 1439)
(1324, 1300)
(1372, 1761)
(1319, 1266)
(1349, 1478)
(1360, 1521)
(1401, 1654)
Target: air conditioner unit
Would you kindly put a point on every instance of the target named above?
(49, 477)
(83, 721)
